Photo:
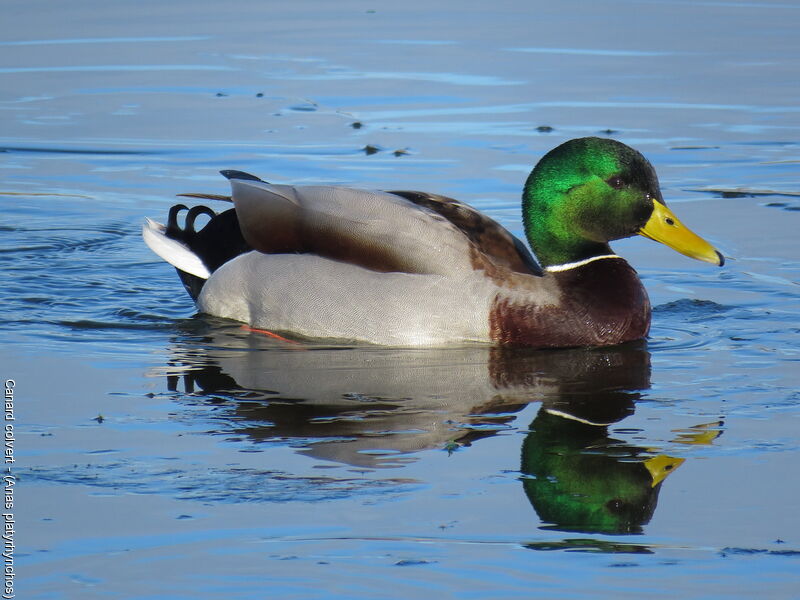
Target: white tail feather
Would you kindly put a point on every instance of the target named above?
(172, 251)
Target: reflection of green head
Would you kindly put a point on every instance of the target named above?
(579, 479)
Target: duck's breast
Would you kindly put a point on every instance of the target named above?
(598, 304)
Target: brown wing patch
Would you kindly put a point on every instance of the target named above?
(495, 249)
(355, 250)
(295, 237)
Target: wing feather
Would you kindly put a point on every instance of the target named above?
(375, 230)
(493, 241)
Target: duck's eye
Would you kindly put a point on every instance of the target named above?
(615, 182)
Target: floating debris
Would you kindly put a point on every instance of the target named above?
(370, 149)
(749, 551)
(743, 192)
(609, 131)
(401, 152)
(356, 125)
(413, 562)
(695, 148)
(221, 94)
(544, 129)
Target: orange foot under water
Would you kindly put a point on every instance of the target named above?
(270, 334)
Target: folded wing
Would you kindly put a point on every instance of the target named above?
(407, 232)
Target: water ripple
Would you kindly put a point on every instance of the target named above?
(115, 40)
(230, 485)
(113, 68)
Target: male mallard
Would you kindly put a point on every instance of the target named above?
(412, 268)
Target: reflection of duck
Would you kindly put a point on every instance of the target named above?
(412, 268)
(373, 406)
(580, 479)
(576, 476)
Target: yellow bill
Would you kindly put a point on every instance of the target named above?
(660, 466)
(663, 226)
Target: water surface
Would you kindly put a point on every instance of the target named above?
(163, 454)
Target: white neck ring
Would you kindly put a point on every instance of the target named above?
(576, 264)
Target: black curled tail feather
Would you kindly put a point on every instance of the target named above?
(241, 175)
(219, 241)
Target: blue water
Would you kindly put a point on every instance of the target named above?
(164, 454)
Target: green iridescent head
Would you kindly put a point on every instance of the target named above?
(590, 191)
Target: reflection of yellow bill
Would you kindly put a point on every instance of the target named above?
(699, 434)
(660, 466)
(663, 226)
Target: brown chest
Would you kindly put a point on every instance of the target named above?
(599, 304)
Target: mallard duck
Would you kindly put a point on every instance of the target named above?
(418, 269)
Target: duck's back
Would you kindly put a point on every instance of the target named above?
(379, 231)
